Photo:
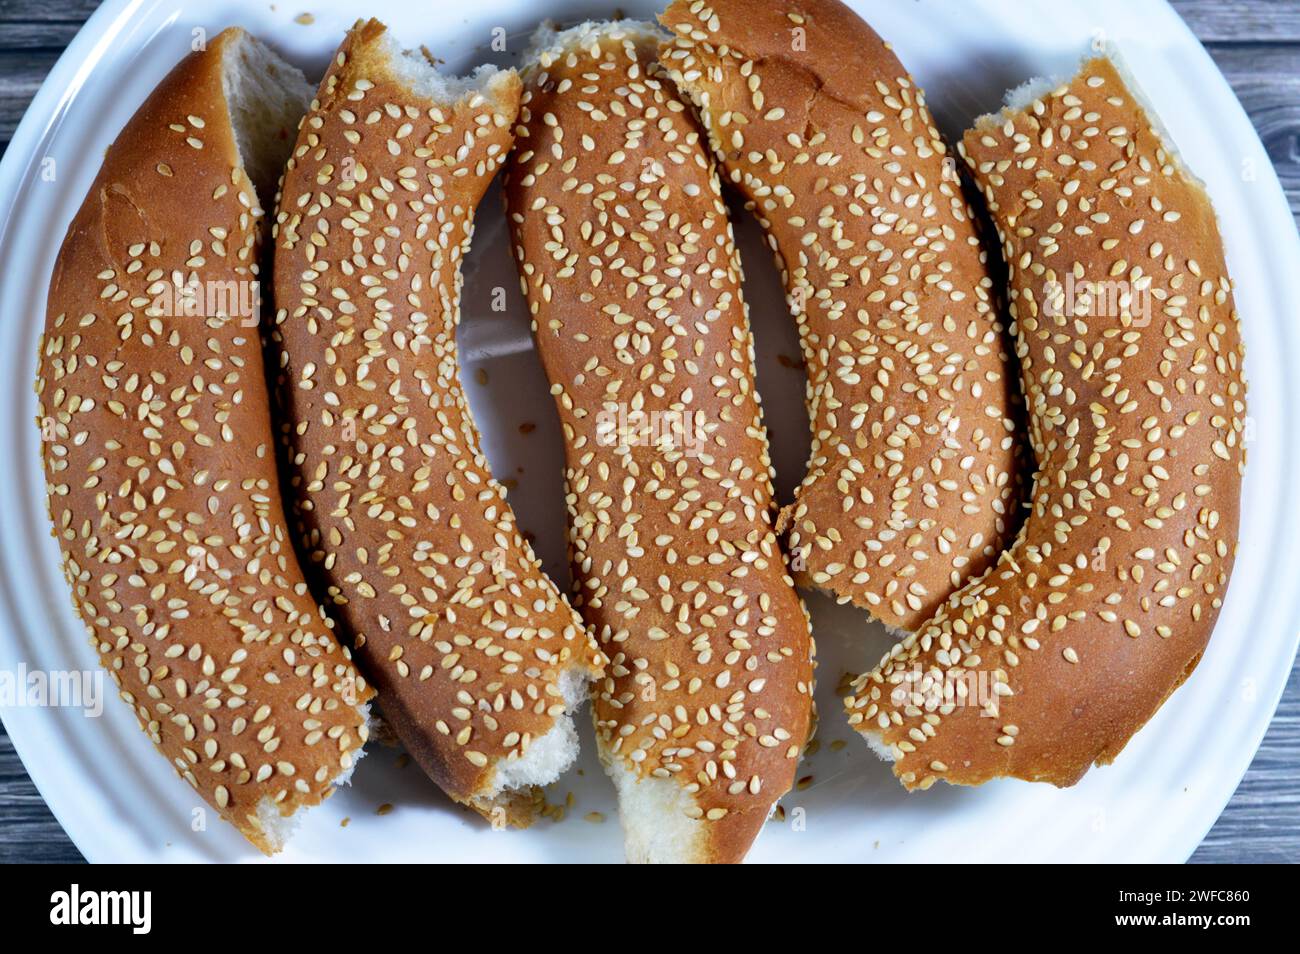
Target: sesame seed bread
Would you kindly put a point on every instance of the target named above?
(627, 258)
(159, 456)
(474, 651)
(910, 487)
(1105, 602)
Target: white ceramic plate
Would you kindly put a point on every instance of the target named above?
(120, 802)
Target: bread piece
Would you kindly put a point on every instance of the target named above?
(1131, 359)
(159, 459)
(909, 489)
(626, 256)
(478, 659)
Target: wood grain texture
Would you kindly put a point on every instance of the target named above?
(1260, 21)
(44, 11)
(28, 832)
(1256, 44)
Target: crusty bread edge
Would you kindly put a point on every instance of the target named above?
(724, 841)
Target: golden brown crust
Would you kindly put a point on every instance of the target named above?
(728, 839)
(626, 256)
(161, 474)
(1106, 601)
(411, 537)
(910, 488)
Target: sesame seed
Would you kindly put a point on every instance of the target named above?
(1127, 532)
(626, 256)
(427, 569)
(176, 549)
(910, 486)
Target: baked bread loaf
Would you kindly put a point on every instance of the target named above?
(478, 659)
(1131, 360)
(626, 256)
(910, 485)
(159, 456)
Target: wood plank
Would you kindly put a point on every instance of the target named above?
(43, 11)
(1274, 63)
(1266, 80)
(28, 832)
(1262, 822)
(21, 75)
(1265, 21)
(26, 35)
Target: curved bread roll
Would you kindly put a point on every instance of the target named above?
(478, 659)
(626, 256)
(158, 452)
(909, 488)
(1131, 360)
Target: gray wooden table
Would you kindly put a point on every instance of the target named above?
(1257, 46)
